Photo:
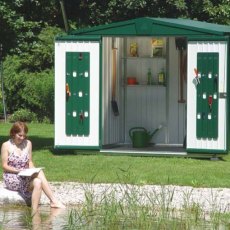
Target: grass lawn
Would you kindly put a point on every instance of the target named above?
(67, 165)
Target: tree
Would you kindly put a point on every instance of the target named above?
(218, 11)
(29, 77)
(28, 27)
(100, 12)
(8, 31)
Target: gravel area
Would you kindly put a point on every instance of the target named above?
(72, 193)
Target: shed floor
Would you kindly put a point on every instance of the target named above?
(153, 150)
(160, 150)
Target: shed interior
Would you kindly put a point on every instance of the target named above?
(156, 103)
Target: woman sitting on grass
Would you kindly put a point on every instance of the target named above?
(16, 155)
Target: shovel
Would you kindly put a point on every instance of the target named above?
(114, 102)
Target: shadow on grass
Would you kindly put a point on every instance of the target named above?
(48, 144)
(41, 143)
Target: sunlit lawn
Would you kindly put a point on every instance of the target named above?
(92, 166)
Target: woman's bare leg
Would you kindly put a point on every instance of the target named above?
(54, 203)
(36, 194)
(36, 221)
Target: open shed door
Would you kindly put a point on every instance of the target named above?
(77, 76)
(207, 97)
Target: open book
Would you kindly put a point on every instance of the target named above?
(30, 171)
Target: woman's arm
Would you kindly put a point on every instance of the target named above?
(31, 164)
(4, 156)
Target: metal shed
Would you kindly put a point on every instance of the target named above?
(144, 86)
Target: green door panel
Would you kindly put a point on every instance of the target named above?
(77, 93)
(207, 95)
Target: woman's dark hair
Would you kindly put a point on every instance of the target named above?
(17, 128)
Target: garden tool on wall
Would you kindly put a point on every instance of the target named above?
(210, 103)
(197, 76)
(81, 117)
(67, 90)
(114, 79)
(181, 44)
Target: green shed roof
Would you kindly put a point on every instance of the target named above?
(156, 27)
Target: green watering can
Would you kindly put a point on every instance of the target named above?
(141, 137)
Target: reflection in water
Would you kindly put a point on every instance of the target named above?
(47, 223)
(18, 218)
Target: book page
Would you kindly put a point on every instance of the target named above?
(30, 171)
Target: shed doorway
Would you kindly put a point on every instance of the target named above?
(150, 105)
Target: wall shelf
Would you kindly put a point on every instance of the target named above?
(145, 104)
(143, 57)
(145, 85)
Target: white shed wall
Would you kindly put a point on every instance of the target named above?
(176, 112)
(61, 139)
(112, 126)
(192, 141)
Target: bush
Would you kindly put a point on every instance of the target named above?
(1, 108)
(24, 115)
(38, 94)
(46, 120)
(30, 76)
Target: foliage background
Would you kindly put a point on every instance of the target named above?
(28, 28)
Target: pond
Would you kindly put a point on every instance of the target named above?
(110, 216)
(19, 217)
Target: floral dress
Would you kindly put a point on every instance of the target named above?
(14, 181)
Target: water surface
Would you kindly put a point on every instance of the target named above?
(19, 217)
